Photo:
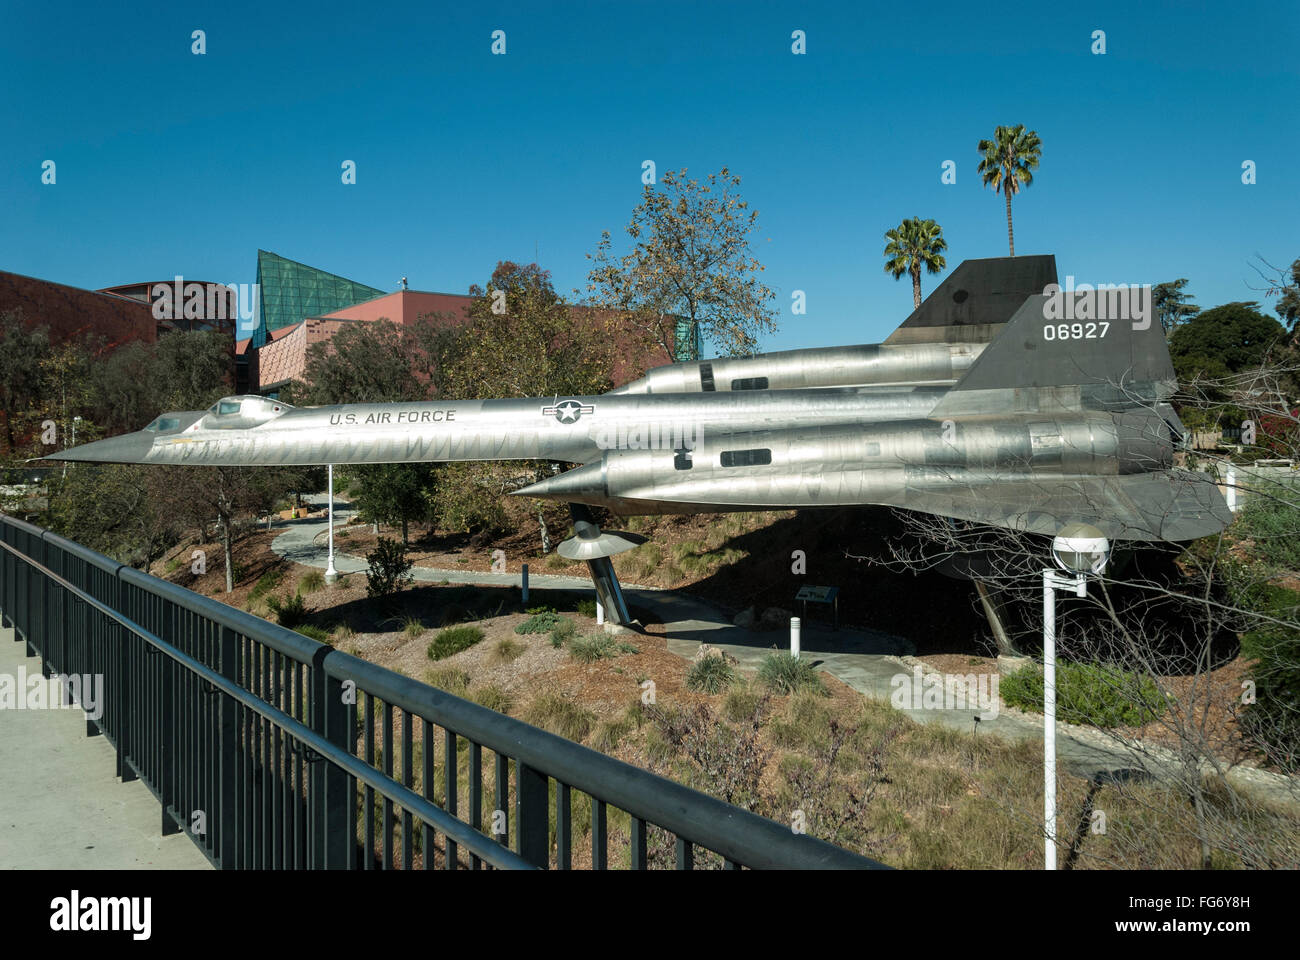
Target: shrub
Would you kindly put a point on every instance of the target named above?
(1272, 523)
(267, 582)
(710, 675)
(543, 621)
(450, 679)
(288, 613)
(311, 581)
(453, 640)
(560, 715)
(412, 627)
(1272, 722)
(319, 634)
(342, 632)
(173, 564)
(587, 608)
(589, 649)
(493, 697)
(784, 673)
(1099, 694)
(507, 650)
(563, 632)
(608, 734)
(741, 702)
(388, 568)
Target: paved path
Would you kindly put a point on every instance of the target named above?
(62, 806)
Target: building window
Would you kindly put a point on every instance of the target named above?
(749, 383)
(746, 458)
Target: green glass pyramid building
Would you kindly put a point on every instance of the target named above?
(291, 291)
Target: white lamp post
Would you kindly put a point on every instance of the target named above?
(330, 573)
(1078, 550)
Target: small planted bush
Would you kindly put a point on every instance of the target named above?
(507, 650)
(1098, 694)
(311, 581)
(589, 649)
(266, 583)
(388, 569)
(450, 679)
(319, 634)
(560, 715)
(587, 608)
(542, 621)
(493, 697)
(710, 675)
(453, 640)
(783, 673)
(562, 633)
(288, 613)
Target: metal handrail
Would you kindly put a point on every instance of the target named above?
(455, 829)
(696, 819)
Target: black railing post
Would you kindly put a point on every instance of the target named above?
(124, 686)
(227, 751)
(166, 730)
(329, 793)
(532, 829)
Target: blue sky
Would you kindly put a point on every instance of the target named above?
(170, 163)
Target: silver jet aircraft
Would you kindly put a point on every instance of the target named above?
(1001, 400)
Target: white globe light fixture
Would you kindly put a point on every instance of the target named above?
(1079, 550)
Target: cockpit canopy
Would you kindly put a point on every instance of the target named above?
(243, 411)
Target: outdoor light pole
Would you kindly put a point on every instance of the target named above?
(1078, 550)
(330, 573)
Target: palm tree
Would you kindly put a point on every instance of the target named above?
(1007, 164)
(912, 244)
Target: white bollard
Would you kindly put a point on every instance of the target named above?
(1231, 489)
(525, 584)
(600, 612)
(331, 574)
(794, 637)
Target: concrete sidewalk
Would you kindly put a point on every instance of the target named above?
(62, 806)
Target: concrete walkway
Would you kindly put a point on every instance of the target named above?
(62, 806)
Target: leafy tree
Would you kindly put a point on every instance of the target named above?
(123, 511)
(362, 363)
(1007, 163)
(1171, 305)
(1235, 334)
(184, 370)
(912, 244)
(23, 352)
(690, 266)
(1286, 288)
(520, 340)
(394, 492)
(388, 568)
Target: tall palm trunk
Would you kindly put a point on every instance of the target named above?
(916, 283)
(1011, 237)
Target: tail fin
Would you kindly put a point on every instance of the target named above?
(1096, 350)
(975, 300)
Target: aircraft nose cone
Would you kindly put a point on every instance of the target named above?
(128, 448)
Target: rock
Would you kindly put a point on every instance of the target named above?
(707, 651)
(745, 619)
(775, 618)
